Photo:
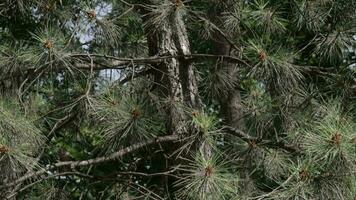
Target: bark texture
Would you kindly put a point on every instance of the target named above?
(176, 78)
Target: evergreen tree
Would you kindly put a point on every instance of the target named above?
(172, 99)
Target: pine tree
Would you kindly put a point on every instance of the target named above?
(173, 99)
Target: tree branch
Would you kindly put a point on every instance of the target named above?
(15, 192)
(120, 61)
(98, 160)
(272, 144)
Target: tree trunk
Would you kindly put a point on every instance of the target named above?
(231, 104)
(175, 78)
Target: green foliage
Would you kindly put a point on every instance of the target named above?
(206, 178)
(49, 49)
(273, 64)
(125, 119)
(328, 159)
(299, 184)
(265, 19)
(160, 11)
(309, 15)
(328, 139)
(93, 76)
(19, 142)
(331, 47)
(104, 29)
(218, 81)
(257, 106)
(49, 191)
(207, 129)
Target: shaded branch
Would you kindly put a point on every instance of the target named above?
(121, 63)
(118, 62)
(166, 173)
(15, 192)
(269, 143)
(130, 77)
(94, 161)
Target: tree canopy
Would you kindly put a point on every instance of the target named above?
(173, 99)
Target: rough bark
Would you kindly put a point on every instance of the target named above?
(179, 76)
(176, 77)
(187, 71)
